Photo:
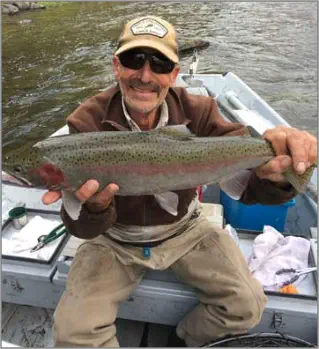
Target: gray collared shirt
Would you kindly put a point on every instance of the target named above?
(161, 123)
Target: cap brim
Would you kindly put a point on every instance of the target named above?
(151, 43)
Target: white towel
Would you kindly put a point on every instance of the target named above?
(272, 252)
(23, 240)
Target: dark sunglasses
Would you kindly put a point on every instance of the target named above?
(135, 59)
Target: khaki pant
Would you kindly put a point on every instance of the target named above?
(104, 273)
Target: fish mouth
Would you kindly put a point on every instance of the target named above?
(10, 179)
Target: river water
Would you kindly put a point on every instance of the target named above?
(53, 59)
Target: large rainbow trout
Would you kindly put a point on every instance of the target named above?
(140, 163)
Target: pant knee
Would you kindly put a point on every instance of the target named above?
(253, 302)
(241, 312)
(73, 327)
(67, 327)
(73, 335)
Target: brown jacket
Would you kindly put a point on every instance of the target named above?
(104, 112)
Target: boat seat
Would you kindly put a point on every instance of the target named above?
(193, 86)
(201, 91)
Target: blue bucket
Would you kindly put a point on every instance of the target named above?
(254, 217)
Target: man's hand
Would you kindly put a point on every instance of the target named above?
(87, 194)
(292, 147)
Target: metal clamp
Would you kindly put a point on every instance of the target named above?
(277, 321)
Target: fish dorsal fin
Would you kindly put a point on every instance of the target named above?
(175, 131)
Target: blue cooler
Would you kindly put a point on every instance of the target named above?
(254, 217)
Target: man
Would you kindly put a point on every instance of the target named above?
(128, 235)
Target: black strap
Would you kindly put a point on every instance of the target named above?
(141, 244)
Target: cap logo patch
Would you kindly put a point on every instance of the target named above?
(149, 27)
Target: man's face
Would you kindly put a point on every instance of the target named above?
(143, 90)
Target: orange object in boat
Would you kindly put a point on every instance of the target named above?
(289, 289)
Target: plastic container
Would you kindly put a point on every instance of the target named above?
(214, 213)
(19, 217)
(254, 217)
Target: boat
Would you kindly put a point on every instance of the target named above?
(161, 300)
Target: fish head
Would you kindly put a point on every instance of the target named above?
(23, 169)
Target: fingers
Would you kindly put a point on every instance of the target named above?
(106, 195)
(50, 197)
(102, 200)
(300, 145)
(278, 141)
(298, 152)
(87, 190)
(273, 169)
(87, 194)
(96, 201)
(83, 194)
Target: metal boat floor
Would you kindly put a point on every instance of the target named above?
(31, 327)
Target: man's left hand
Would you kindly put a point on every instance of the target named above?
(292, 147)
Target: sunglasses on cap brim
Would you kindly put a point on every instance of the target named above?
(135, 59)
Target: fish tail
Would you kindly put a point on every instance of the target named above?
(299, 182)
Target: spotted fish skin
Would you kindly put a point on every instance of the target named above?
(141, 163)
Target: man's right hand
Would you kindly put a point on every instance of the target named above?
(95, 202)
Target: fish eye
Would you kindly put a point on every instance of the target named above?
(18, 169)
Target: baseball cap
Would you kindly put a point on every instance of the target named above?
(149, 31)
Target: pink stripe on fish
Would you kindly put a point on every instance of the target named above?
(153, 169)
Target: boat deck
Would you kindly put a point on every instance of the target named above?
(31, 327)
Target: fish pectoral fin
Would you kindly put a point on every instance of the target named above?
(168, 202)
(175, 131)
(71, 204)
(235, 185)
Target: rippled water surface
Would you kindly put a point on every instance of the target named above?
(53, 62)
